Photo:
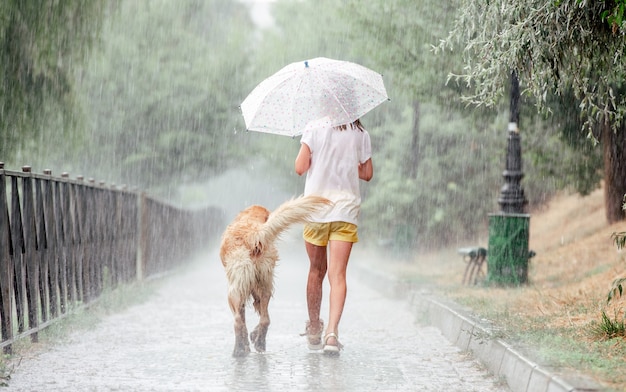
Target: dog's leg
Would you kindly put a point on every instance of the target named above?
(261, 303)
(242, 345)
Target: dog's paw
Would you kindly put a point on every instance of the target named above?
(257, 337)
(241, 350)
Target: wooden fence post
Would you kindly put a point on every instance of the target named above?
(52, 248)
(6, 265)
(142, 249)
(69, 224)
(19, 249)
(31, 255)
(59, 222)
(79, 238)
(88, 242)
(42, 249)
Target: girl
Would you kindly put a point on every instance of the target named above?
(334, 158)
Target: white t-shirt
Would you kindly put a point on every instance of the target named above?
(334, 170)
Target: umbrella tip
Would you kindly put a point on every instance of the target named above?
(306, 64)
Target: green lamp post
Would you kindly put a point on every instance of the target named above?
(507, 263)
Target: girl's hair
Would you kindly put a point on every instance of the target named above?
(355, 124)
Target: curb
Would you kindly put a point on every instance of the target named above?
(461, 329)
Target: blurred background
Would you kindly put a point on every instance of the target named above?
(146, 93)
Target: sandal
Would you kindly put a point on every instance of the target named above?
(332, 348)
(314, 339)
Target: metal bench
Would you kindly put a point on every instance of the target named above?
(475, 258)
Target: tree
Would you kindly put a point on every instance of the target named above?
(162, 93)
(556, 47)
(408, 29)
(41, 44)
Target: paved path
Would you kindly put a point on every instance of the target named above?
(148, 348)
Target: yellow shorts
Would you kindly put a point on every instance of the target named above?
(320, 233)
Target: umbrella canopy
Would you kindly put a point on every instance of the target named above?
(310, 90)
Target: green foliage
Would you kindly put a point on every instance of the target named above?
(453, 190)
(615, 16)
(42, 45)
(620, 239)
(609, 329)
(612, 13)
(399, 35)
(163, 93)
(565, 54)
(160, 99)
(584, 57)
(584, 170)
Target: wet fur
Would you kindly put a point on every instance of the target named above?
(249, 255)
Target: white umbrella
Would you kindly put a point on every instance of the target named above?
(310, 90)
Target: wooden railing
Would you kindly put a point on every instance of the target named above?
(63, 241)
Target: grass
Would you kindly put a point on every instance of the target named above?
(561, 316)
(609, 328)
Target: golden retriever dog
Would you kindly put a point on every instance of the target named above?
(249, 256)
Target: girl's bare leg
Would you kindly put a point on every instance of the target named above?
(337, 266)
(317, 271)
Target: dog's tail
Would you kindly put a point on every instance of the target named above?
(290, 212)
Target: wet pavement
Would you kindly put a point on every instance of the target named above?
(181, 339)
